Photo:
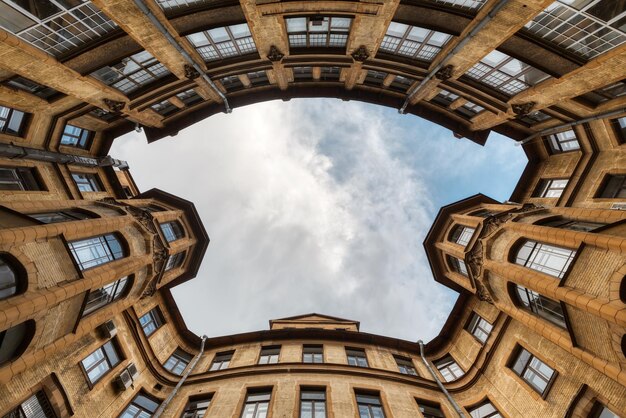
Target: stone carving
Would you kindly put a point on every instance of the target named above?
(523, 109)
(191, 73)
(114, 106)
(274, 54)
(445, 73)
(483, 293)
(360, 54)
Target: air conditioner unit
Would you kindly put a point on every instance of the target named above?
(108, 329)
(619, 206)
(124, 380)
(132, 370)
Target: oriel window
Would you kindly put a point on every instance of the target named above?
(546, 258)
(95, 251)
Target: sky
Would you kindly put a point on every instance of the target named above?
(319, 205)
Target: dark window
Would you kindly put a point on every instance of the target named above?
(94, 251)
(87, 182)
(479, 328)
(369, 405)
(312, 354)
(175, 260)
(356, 357)
(302, 73)
(534, 371)
(619, 125)
(405, 365)
(132, 72)
(11, 121)
(312, 403)
(221, 361)
(172, 231)
(101, 361)
(574, 225)
(482, 213)
(318, 31)
(142, 406)
(540, 305)
(614, 187)
(30, 86)
(257, 405)
(151, 321)
(457, 265)
(462, 235)
(99, 298)
(601, 411)
(449, 369)
(153, 208)
(485, 410)
(10, 280)
(13, 341)
(18, 178)
(269, 355)
(550, 188)
(563, 142)
(197, 407)
(61, 216)
(37, 406)
(430, 409)
(178, 361)
(76, 137)
(546, 258)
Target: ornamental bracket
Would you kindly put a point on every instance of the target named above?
(275, 55)
(190, 72)
(360, 54)
(445, 73)
(113, 105)
(523, 109)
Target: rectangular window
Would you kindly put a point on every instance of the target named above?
(11, 121)
(197, 406)
(94, 251)
(99, 298)
(257, 405)
(413, 41)
(563, 142)
(269, 355)
(220, 43)
(544, 307)
(312, 403)
(485, 410)
(318, 31)
(24, 84)
(132, 72)
(574, 225)
(18, 178)
(313, 354)
(457, 265)
(449, 369)
(142, 406)
(60, 216)
(172, 231)
(532, 370)
(405, 365)
(479, 328)
(430, 409)
(37, 406)
(550, 188)
(545, 258)
(369, 405)
(151, 321)
(221, 361)
(464, 4)
(87, 182)
(619, 125)
(462, 235)
(601, 411)
(614, 187)
(356, 357)
(175, 260)
(178, 361)
(101, 361)
(76, 137)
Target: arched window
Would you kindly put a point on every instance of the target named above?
(94, 251)
(15, 340)
(538, 304)
(172, 231)
(461, 235)
(546, 258)
(12, 279)
(622, 290)
(457, 265)
(99, 298)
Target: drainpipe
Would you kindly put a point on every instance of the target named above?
(18, 152)
(454, 51)
(570, 124)
(157, 23)
(192, 365)
(455, 405)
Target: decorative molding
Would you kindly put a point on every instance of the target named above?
(275, 55)
(190, 72)
(523, 109)
(113, 105)
(360, 54)
(445, 73)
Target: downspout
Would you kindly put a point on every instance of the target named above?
(455, 405)
(157, 23)
(454, 51)
(192, 365)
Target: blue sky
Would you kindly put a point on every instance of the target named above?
(319, 205)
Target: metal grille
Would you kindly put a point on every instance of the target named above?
(220, 43)
(588, 29)
(37, 406)
(413, 41)
(178, 4)
(57, 28)
(463, 4)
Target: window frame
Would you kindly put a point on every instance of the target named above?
(562, 222)
(195, 404)
(405, 362)
(556, 141)
(175, 261)
(545, 187)
(221, 358)
(133, 402)
(27, 331)
(126, 284)
(473, 408)
(457, 265)
(424, 403)
(514, 293)
(477, 323)
(156, 317)
(90, 183)
(619, 131)
(541, 254)
(178, 357)
(114, 343)
(27, 178)
(43, 401)
(445, 363)
(600, 194)
(19, 277)
(316, 351)
(461, 235)
(361, 403)
(307, 33)
(216, 49)
(109, 254)
(5, 121)
(257, 392)
(69, 215)
(308, 391)
(512, 362)
(424, 51)
(81, 140)
(272, 358)
(357, 355)
(172, 230)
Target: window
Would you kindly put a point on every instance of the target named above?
(445, 98)
(76, 137)
(312, 403)
(225, 42)
(13, 341)
(142, 406)
(94, 251)
(449, 369)
(532, 370)
(619, 125)
(24, 84)
(482, 213)
(413, 41)
(312, 354)
(405, 365)
(178, 361)
(18, 178)
(550, 188)
(506, 74)
(99, 298)
(132, 72)
(61, 216)
(197, 407)
(151, 321)
(463, 4)
(546, 258)
(318, 31)
(101, 361)
(369, 405)
(356, 357)
(544, 307)
(614, 187)
(269, 355)
(172, 231)
(11, 121)
(479, 328)
(430, 409)
(153, 208)
(221, 361)
(37, 406)
(10, 283)
(485, 410)
(574, 225)
(175, 260)
(470, 109)
(457, 265)
(462, 235)
(257, 405)
(563, 142)
(601, 411)
(87, 182)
